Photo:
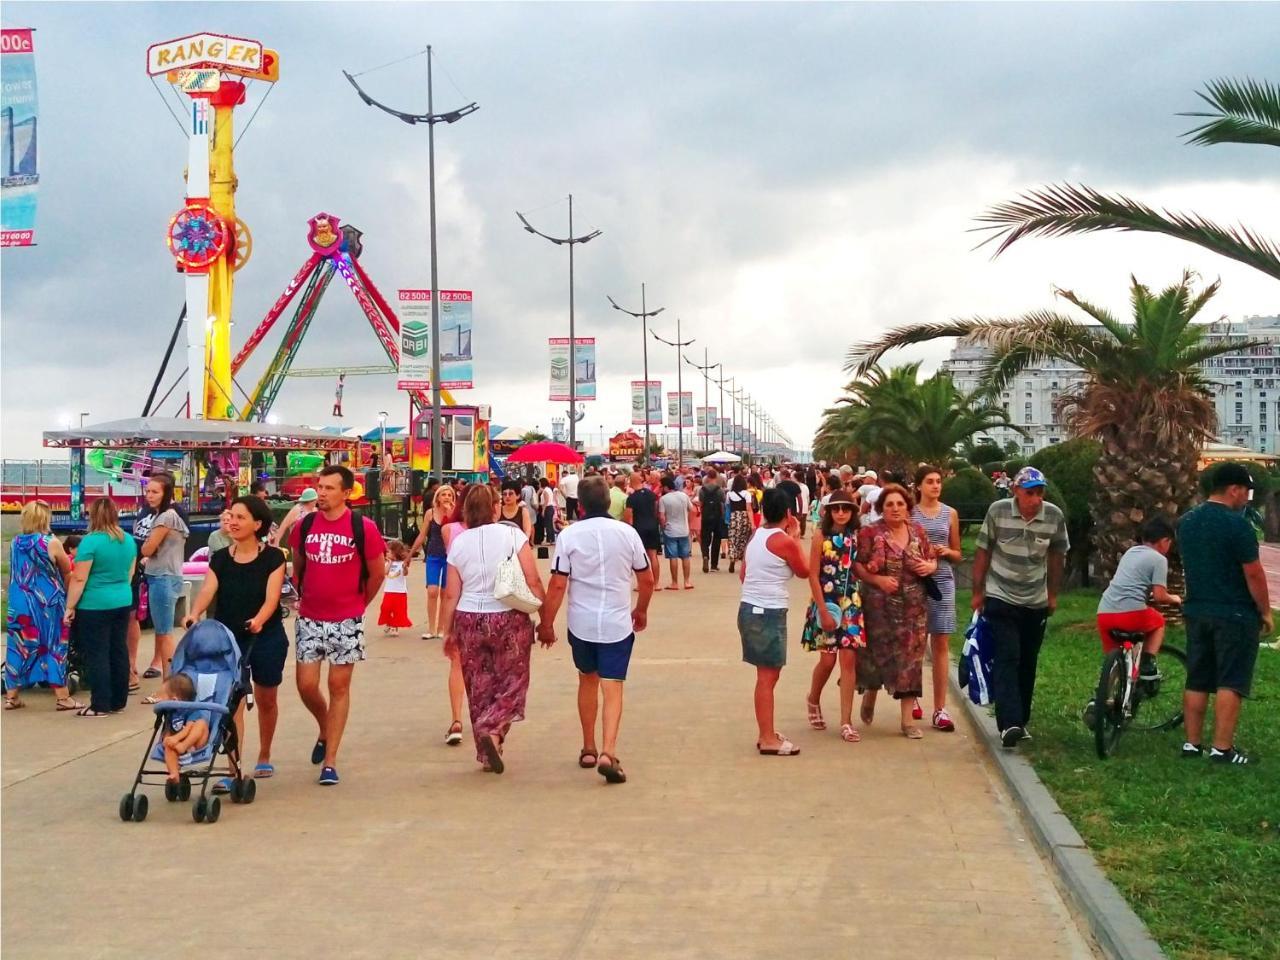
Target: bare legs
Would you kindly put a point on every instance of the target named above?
(1226, 713)
(766, 680)
(457, 687)
(433, 610)
(132, 636)
(331, 717)
(822, 671)
(939, 644)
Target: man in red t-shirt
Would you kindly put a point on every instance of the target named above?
(335, 590)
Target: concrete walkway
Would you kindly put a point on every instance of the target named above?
(887, 848)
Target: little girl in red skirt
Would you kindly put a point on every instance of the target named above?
(394, 613)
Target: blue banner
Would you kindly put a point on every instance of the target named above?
(19, 167)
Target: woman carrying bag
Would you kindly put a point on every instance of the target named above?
(491, 587)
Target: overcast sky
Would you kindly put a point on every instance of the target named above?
(786, 178)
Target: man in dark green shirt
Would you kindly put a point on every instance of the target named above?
(1226, 606)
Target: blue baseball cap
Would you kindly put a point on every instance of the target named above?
(1029, 477)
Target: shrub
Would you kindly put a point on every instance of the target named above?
(991, 468)
(984, 452)
(969, 493)
(958, 464)
(1070, 466)
(1011, 467)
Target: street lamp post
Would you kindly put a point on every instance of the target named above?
(572, 242)
(643, 316)
(706, 386)
(82, 416)
(721, 418)
(430, 118)
(382, 440)
(679, 345)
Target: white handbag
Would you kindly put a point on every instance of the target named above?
(509, 585)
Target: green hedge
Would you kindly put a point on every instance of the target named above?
(969, 493)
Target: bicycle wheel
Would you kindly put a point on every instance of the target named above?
(1158, 703)
(1109, 704)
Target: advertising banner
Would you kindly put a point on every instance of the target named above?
(707, 424)
(414, 307)
(19, 166)
(584, 368)
(638, 393)
(627, 445)
(683, 418)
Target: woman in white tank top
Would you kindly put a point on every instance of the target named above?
(773, 557)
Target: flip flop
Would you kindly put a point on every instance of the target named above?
(134, 688)
(90, 712)
(582, 759)
(148, 701)
(688, 586)
(611, 771)
(263, 771)
(69, 703)
(150, 673)
(671, 588)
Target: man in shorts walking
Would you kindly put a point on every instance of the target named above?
(642, 514)
(1226, 608)
(594, 563)
(339, 567)
(674, 511)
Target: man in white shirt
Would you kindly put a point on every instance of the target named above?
(594, 562)
(868, 494)
(569, 489)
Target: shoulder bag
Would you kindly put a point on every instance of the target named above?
(509, 585)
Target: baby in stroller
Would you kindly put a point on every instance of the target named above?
(186, 733)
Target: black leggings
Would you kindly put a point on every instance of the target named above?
(101, 635)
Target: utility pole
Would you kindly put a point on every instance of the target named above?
(643, 316)
(572, 242)
(706, 388)
(679, 345)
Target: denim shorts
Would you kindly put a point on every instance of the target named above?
(764, 635)
(676, 548)
(163, 591)
(437, 569)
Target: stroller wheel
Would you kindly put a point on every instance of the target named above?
(184, 788)
(171, 791)
(199, 810)
(249, 791)
(237, 790)
(126, 807)
(140, 805)
(215, 810)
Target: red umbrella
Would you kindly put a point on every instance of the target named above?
(545, 451)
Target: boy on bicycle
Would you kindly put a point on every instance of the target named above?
(1143, 569)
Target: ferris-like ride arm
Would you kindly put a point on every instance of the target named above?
(273, 314)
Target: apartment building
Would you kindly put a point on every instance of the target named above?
(1246, 389)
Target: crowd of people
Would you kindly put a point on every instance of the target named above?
(879, 569)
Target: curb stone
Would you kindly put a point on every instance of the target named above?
(1119, 932)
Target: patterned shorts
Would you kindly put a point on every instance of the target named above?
(338, 641)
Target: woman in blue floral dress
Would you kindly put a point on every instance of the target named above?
(833, 626)
(36, 643)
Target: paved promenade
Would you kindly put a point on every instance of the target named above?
(883, 849)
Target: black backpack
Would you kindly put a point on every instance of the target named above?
(357, 538)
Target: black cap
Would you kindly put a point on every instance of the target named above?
(1231, 475)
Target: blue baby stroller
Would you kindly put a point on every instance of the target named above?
(208, 655)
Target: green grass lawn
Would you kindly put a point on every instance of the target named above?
(1194, 848)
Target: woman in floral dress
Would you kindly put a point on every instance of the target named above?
(894, 557)
(835, 634)
(742, 508)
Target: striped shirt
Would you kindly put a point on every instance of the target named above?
(1018, 571)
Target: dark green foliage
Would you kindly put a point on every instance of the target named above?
(1011, 467)
(984, 452)
(969, 493)
(1070, 466)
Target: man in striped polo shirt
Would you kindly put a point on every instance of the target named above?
(1016, 574)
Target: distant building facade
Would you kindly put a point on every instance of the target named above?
(1246, 389)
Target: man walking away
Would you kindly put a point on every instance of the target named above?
(642, 514)
(339, 567)
(787, 484)
(569, 487)
(674, 511)
(594, 563)
(1226, 607)
(711, 499)
(618, 497)
(1017, 571)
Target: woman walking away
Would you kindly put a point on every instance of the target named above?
(36, 639)
(245, 580)
(443, 504)
(492, 640)
(772, 557)
(742, 510)
(894, 557)
(164, 551)
(833, 626)
(100, 591)
(942, 526)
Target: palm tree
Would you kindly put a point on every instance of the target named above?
(1245, 111)
(1142, 395)
(533, 436)
(895, 417)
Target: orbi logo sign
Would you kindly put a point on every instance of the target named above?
(414, 338)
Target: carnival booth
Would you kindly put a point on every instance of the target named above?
(464, 441)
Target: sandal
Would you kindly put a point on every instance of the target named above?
(583, 762)
(912, 732)
(150, 673)
(69, 703)
(815, 716)
(611, 771)
(493, 756)
(849, 733)
(90, 712)
(785, 749)
(868, 714)
(148, 701)
(454, 736)
(13, 703)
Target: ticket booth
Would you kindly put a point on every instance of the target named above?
(464, 441)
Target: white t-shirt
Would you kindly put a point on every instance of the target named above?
(676, 506)
(546, 498)
(395, 582)
(569, 485)
(598, 555)
(475, 554)
(870, 494)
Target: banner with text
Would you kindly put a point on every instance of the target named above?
(584, 368)
(414, 307)
(707, 425)
(19, 166)
(684, 416)
(638, 393)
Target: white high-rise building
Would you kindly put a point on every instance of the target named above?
(1246, 386)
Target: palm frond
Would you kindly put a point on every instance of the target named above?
(1062, 209)
(1244, 111)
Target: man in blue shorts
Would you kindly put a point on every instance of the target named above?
(674, 510)
(594, 563)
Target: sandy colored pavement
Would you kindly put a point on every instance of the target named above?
(887, 848)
